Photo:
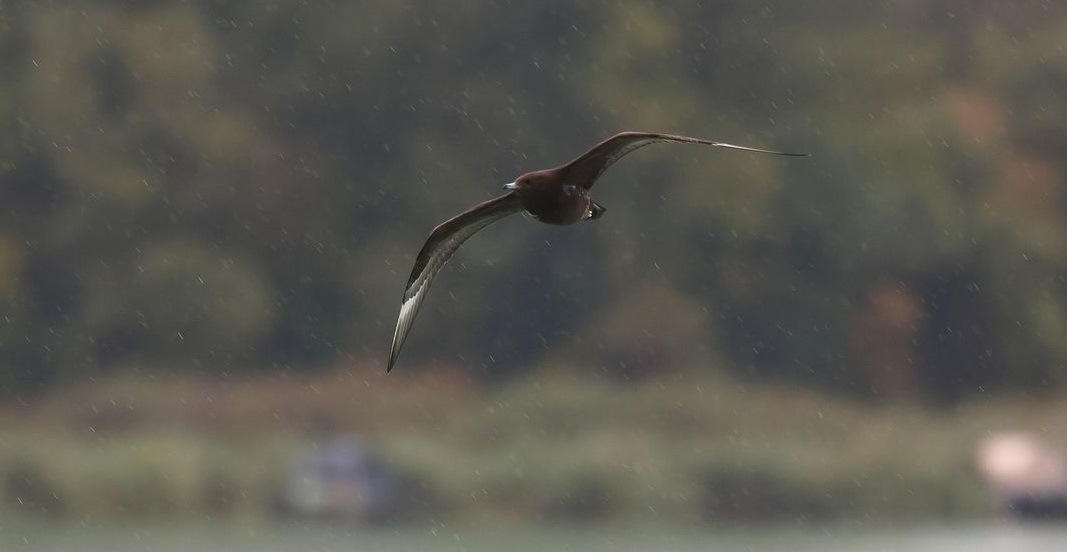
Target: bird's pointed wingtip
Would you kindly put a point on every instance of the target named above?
(790, 153)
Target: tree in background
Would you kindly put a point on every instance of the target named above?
(224, 186)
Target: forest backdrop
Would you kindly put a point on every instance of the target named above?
(241, 187)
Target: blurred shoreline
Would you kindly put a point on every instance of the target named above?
(557, 446)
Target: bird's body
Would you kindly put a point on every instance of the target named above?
(554, 196)
(549, 198)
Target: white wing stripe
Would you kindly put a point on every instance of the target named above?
(442, 252)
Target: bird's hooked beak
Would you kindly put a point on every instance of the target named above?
(510, 186)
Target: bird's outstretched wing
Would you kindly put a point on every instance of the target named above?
(439, 247)
(591, 164)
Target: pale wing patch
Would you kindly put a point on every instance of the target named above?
(408, 309)
(442, 243)
(757, 150)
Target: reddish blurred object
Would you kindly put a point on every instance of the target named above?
(1028, 476)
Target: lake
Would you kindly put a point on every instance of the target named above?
(35, 535)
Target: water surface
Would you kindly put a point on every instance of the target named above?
(36, 535)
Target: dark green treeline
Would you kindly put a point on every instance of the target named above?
(239, 186)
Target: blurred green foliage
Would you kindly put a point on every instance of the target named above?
(556, 446)
(243, 186)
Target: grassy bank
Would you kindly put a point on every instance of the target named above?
(555, 447)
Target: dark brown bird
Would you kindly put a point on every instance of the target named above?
(554, 196)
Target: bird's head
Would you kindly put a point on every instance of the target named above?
(532, 180)
(521, 183)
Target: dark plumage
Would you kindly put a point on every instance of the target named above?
(553, 196)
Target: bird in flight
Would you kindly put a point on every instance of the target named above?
(553, 196)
